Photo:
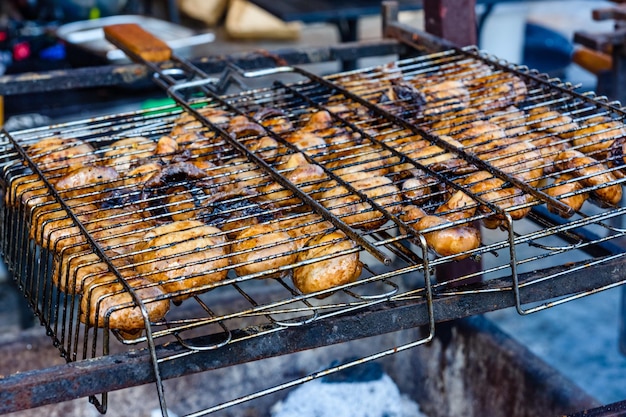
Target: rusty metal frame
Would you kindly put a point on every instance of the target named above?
(117, 371)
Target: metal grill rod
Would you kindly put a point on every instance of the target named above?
(98, 249)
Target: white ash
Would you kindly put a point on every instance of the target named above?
(373, 398)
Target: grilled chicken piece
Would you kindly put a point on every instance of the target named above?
(590, 173)
(567, 184)
(127, 153)
(552, 121)
(357, 213)
(184, 257)
(107, 303)
(449, 241)
(60, 156)
(597, 136)
(261, 248)
(340, 269)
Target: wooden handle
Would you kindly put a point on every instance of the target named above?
(130, 37)
(593, 61)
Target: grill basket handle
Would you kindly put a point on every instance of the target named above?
(137, 43)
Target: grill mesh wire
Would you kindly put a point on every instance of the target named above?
(356, 137)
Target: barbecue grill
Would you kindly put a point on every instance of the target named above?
(95, 259)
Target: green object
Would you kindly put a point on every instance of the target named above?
(94, 13)
(158, 105)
